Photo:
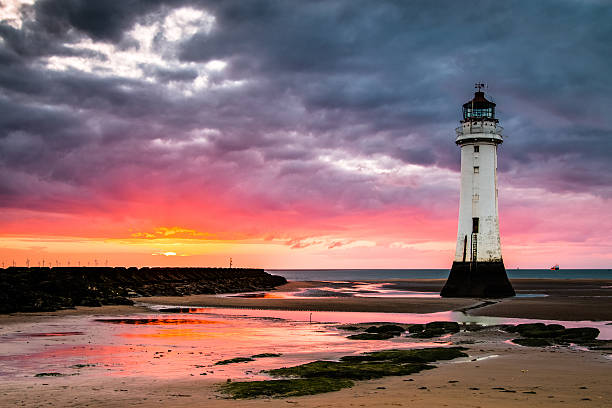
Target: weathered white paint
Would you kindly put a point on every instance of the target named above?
(479, 191)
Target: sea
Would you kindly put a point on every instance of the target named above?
(393, 274)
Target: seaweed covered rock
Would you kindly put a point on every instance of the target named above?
(386, 328)
(284, 388)
(234, 360)
(371, 336)
(541, 335)
(532, 342)
(324, 376)
(434, 329)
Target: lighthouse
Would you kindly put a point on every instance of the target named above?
(478, 268)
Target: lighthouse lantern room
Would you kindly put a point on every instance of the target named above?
(478, 268)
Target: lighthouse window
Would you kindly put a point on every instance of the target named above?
(476, 149)
(475, 225)
(476, 169)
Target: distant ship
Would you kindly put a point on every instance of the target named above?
(554, 268)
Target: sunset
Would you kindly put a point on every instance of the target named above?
(322, 203)
(296, 135)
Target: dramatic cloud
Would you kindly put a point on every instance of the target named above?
(322, 126)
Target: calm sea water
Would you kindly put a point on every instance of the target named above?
(390, 274)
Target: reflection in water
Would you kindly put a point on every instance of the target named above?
(188, 344)
(176, 346)
(341, 289)
(156, 321)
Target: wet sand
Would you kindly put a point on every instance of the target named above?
(388, 305)
(508, 376)
(117, 310)
(579, 299)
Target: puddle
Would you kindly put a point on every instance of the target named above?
(187, 344)
(370, 317)
(340, 289)
(157, 345)
(343, 289)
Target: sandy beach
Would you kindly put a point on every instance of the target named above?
(579, 299)
(496, 373)
(506, 376)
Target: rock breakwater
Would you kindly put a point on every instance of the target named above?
(49, 289)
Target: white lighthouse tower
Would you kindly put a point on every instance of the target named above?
(478, 268)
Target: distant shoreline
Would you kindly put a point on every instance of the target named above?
(567, 300)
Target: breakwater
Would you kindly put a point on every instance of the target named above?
(47, 289)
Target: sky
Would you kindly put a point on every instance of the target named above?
(293, 134)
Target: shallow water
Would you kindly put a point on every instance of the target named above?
(341, 289)
(407, 318)
(173, 345)
(336, 289)
(187, 344)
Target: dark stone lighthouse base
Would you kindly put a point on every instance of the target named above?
(478, 279)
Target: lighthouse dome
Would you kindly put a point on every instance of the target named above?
(478, 108)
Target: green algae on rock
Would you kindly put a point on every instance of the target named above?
(426, 355)
(433, 329)
(324, 376)
(374, 364)
(284, 388)
(352, 370)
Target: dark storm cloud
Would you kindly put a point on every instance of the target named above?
(360, 77)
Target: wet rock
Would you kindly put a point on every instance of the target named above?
(371, 336)
(349, 328)
(540, 334)
(533, 342)
(434, 329)
(234, 360)
(49, 289)
(386, 328)
(265, 355)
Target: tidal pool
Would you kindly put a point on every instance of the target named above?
(176, 345)
(189, 343)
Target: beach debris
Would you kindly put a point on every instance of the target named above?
(324, 376)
